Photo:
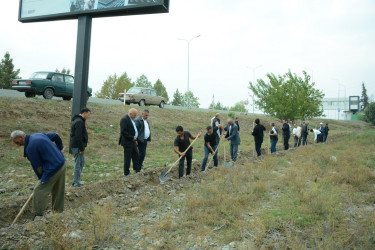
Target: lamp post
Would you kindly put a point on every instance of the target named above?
(188, 76)
(253, 69)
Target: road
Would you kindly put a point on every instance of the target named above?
(17, 94)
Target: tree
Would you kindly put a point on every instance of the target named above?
(177, 99)
(114, 85)
(7, 72)
(217, 106)
(190, 100)
(143, 82)
(63, 71)
(240, 107)
(364, 96)
(288, 96)
(370, 113)
(161, 90)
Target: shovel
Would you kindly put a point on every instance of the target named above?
(213, 156)
(225, 163)
(23, 208)
(164, 176)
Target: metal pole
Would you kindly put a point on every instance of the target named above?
(188, 78)
(81, 72)
(188, 94)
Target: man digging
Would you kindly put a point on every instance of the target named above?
(47, 161)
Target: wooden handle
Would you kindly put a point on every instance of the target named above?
(23, 208)
(215, 153)
(191, 144)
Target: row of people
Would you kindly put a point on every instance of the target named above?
(45, 150)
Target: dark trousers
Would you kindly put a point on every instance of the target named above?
(189, 159)
(206, 153)
(304, 139)
(273, 146)
(325, 137)
(131, 154)
(286, 141)
(258, 146)
(297, 141)
(142, 146)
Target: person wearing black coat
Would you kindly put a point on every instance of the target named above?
(258, 136)
(78, 143)
(128, 139)
(286, 134)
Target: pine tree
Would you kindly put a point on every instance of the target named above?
(177, 99)
(7, 72)
(161, 90)
(364, 96)
(143, 82)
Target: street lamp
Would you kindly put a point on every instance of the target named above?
(188, 77)
(253, 69)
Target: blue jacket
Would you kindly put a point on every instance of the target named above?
(41, 152)
(234, 136)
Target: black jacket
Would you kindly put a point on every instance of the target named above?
(286, 129)
(258, 132)
(141, 128)
(78, 133)
(127, 131)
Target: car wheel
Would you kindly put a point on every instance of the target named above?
(67, 98)
(29, 94)
(142, 103)
(48, 93)
(161, 105)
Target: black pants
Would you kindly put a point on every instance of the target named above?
(304, 139)
(142, 146)
(131, 153)
(258, 146)
(286, 141)
(189, 159)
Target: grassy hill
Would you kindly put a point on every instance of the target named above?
(319, 196)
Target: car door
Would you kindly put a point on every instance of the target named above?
(147, 96)
(58, 84)
(69, 83)
(155, 99)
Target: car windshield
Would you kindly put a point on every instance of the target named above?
(39, 75)
(134, 91)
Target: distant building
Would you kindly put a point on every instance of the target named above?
(340, 108)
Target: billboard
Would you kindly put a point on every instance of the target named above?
(50, 10)
(354, 103)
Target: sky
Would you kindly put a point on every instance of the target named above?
(332, 40)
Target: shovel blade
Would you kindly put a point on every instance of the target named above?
(164, 176)
(229, 165)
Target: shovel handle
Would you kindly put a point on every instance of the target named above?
(215, 153)
(191, 144)
(23, 208)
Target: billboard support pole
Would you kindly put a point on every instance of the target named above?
(81, 71)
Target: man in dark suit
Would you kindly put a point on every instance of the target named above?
(258, 136)
(128, 139)
(144, 135)
(233, 137)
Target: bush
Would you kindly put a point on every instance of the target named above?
(370, 113)
(232, 115)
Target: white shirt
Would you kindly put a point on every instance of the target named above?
(147, 129)
(316, 133)
(297, 131)
(218, 131)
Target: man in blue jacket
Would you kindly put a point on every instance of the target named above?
(233, 137)
(47, 161)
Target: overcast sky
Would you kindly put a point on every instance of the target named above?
(333, 40)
